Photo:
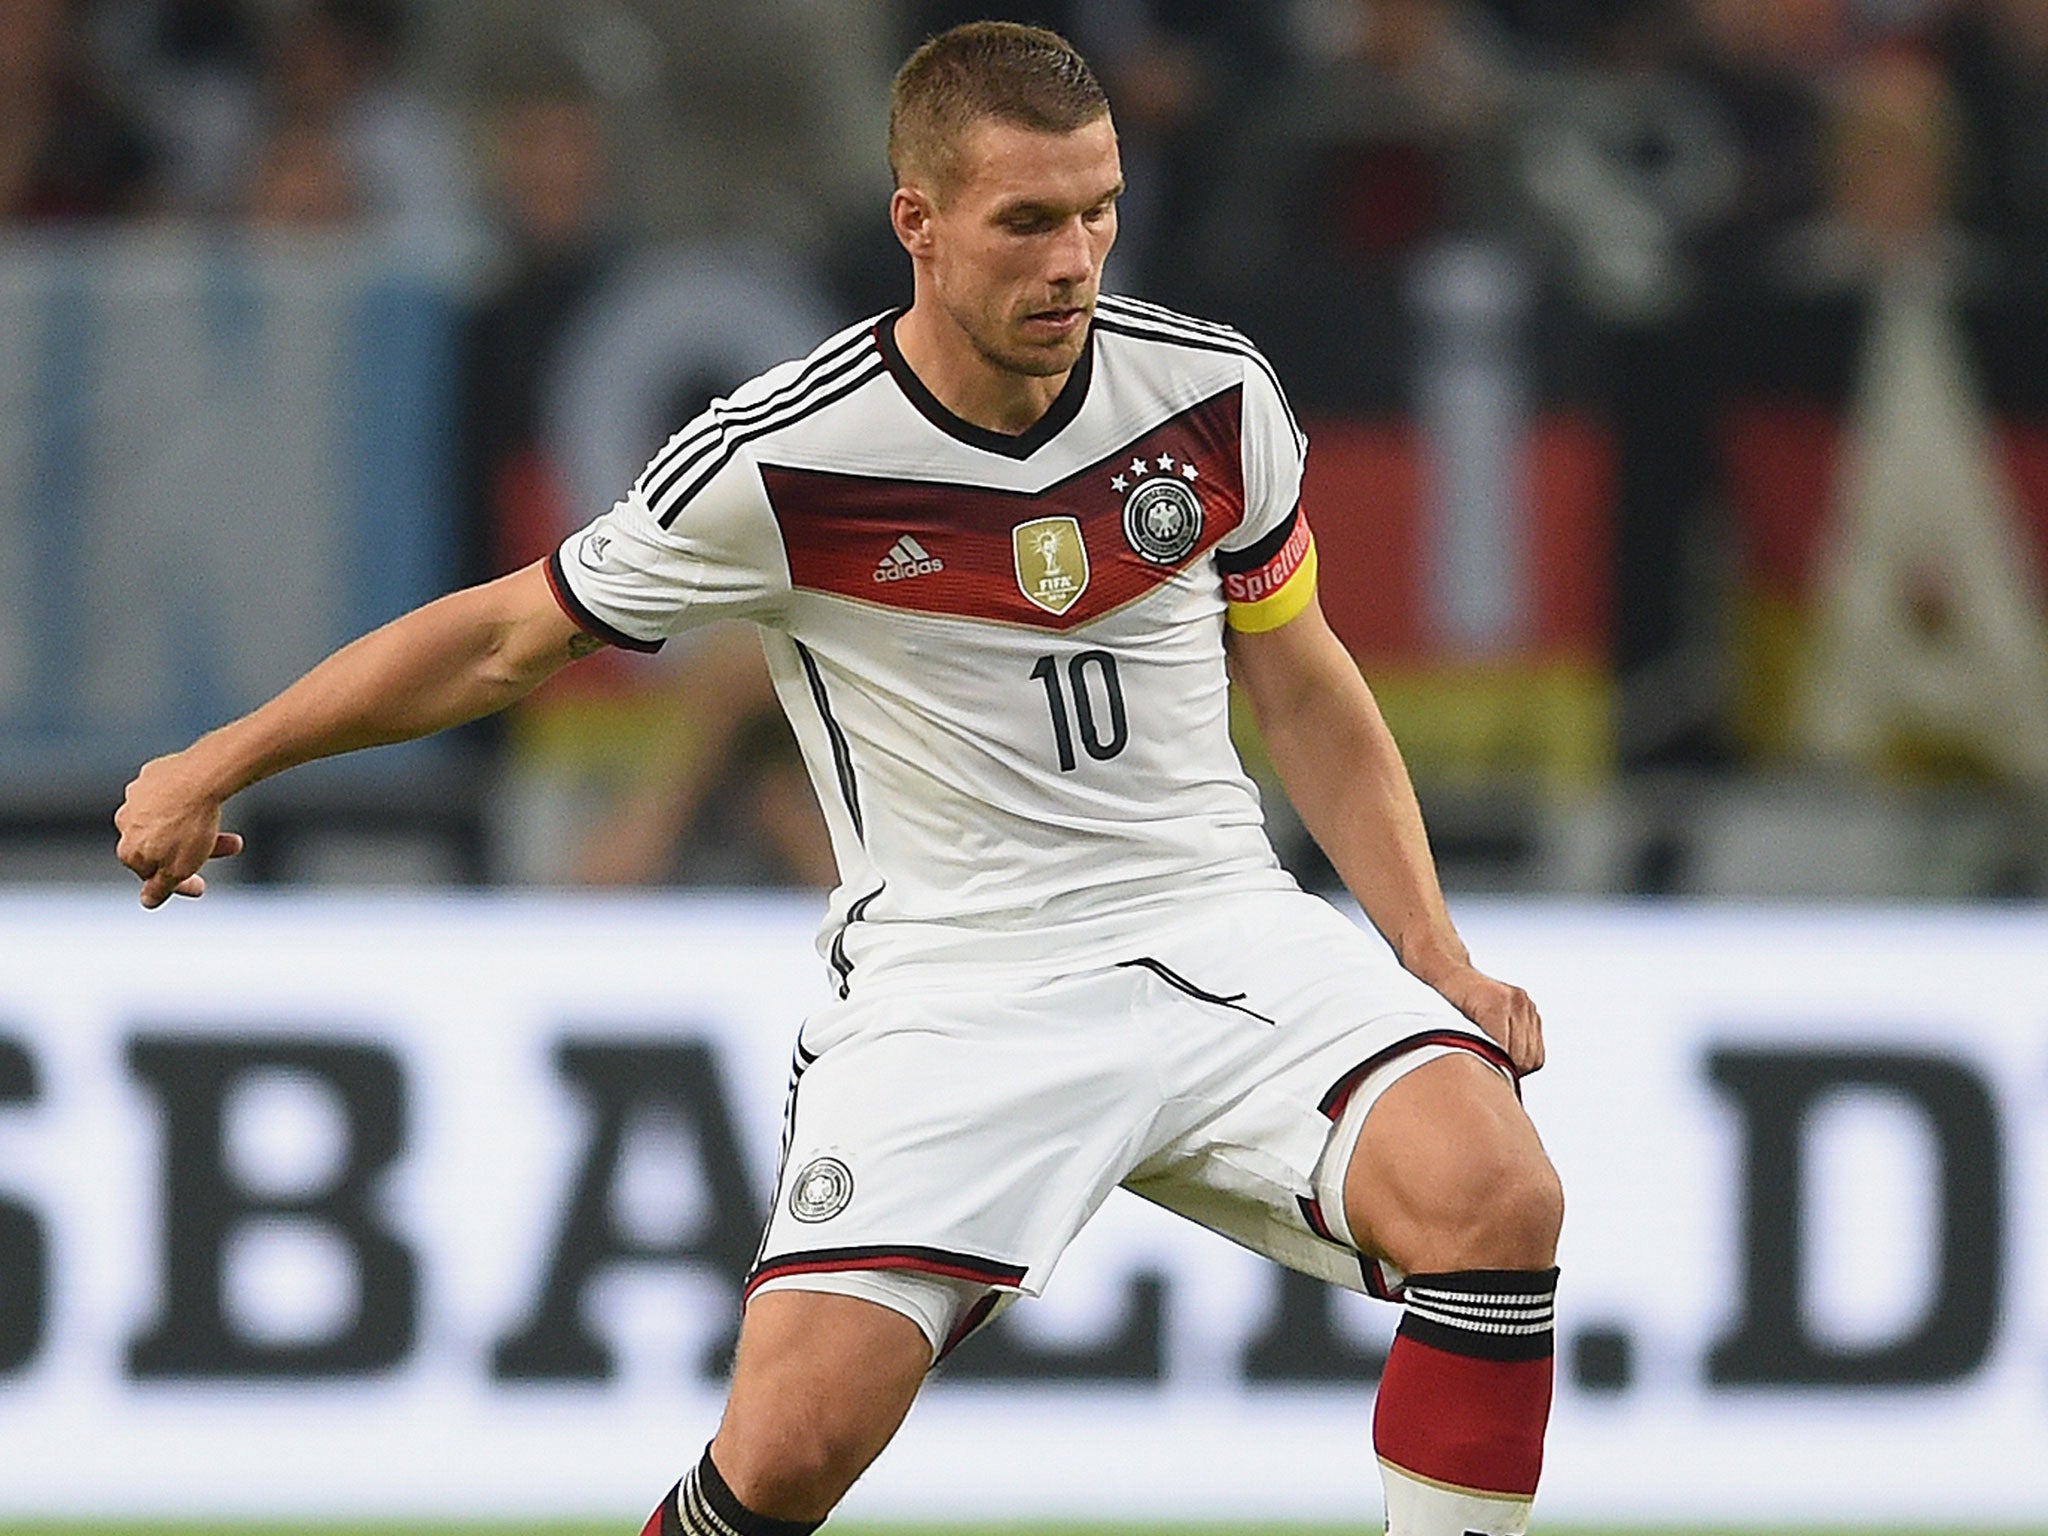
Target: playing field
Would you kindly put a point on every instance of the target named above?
(199, 1528)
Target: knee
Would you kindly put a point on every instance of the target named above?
(1453, 1177)
(820, 1384)
(1511, 1213)
(794, 1470)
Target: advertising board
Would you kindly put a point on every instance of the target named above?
(437, 1207)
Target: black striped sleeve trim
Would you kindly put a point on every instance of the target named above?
(842, 754)
(590, 623)
(1173, 335)
(721, 419)
(669, 501)
(1235, 562)
(929, 1261)
(716, 420)
(1333, 1102)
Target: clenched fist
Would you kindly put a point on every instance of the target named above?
(170, 825)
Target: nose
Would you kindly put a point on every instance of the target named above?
(1071, 261)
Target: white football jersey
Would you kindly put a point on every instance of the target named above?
(1002, 656)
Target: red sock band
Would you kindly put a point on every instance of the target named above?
(1469, 1422)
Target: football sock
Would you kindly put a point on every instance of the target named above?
(1463, 1401)
(702, 1505)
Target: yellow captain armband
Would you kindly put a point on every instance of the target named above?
(1266, 595)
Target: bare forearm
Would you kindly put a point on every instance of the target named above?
(1344, 774)
(1346, 778)
(449, 662)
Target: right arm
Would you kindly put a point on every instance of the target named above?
(462, 656)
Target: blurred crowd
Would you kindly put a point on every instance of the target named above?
(1829, 214)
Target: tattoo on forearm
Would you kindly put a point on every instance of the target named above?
(582, 645)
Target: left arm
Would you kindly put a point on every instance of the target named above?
(1344, 773)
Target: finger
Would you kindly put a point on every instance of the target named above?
(191, 885)
(227, 845)
(156, 890)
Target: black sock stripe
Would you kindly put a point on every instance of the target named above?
(1484, 1314)
(1477, 1346)
(727, 1515)
(1490, 1282)
(1484, 1306)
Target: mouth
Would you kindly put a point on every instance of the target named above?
(1056, 321)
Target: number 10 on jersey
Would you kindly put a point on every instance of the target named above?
(1090, 675)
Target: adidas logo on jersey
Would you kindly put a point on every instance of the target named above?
(907, 558)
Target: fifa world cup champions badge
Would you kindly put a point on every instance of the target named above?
(1052, 562)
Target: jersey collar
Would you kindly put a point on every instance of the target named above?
(1064, 408)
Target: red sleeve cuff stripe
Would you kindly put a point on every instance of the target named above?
(584, 619)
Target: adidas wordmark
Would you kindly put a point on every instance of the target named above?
(907, 558)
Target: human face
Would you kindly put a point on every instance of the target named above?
(1013, 251)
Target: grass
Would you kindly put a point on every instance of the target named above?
(854, 1528)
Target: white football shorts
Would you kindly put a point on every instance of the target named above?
(949, 1131)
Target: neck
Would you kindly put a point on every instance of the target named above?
(947, 363)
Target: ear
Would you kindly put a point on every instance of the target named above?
(911, 214)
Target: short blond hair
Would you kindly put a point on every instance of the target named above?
(984, 70)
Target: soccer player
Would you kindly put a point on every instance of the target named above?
(1006, 547)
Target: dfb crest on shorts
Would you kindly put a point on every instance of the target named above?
(1162, 513)
(820, 1190)
(1052, 561)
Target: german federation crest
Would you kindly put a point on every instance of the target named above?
(1162, 514)
(1052, 562)
(820, 1190)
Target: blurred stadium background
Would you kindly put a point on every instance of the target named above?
(1677, 374)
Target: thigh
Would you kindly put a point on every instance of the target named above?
(961, 1134)
(1448, 1174)
(1324, 1020)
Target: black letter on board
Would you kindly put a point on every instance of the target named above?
(204, 1208)
(24, 1253)
(1776, 1092)
(619, 1081)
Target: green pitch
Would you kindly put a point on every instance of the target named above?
(851, 1528)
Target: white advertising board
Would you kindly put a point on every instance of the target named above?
(388, 1206)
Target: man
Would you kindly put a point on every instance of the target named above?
(994, 542)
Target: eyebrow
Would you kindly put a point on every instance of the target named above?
(1036, 209)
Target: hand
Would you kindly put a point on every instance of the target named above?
(1505, 1012)
(169, 827)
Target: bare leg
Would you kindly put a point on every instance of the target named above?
(820, 1385)
(1449, 1174)
(1449, 1182)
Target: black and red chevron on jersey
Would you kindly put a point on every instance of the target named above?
(1003, 656)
